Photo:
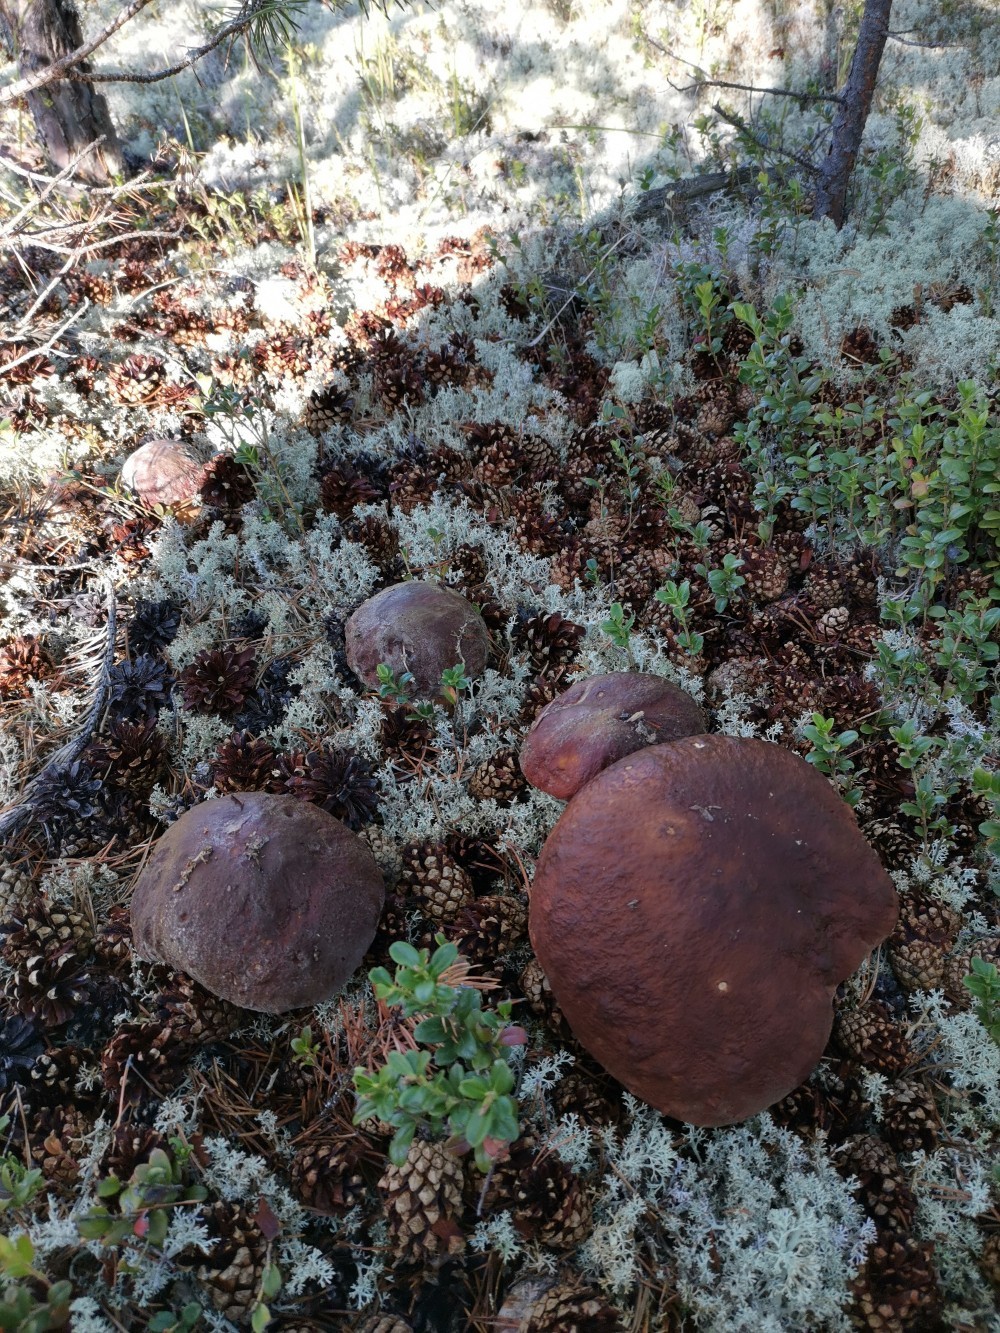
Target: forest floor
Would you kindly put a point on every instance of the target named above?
(403, 299)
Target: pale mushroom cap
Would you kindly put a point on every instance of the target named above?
(267, 901)
(162, 472)
(601, 719)
(418, 627)
(694, 909)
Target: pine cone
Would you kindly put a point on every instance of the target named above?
(227, 484)
(234, 1260)
(923, 936)
(566, 1307)
(244, 763)
(874, 1037)
(897, 1289)
(137, 380)
(498, 778)
(218, 680)
(550, 1203)
(435, 877)
(22, 660)
(910, 1117)
(549, 640)
(17, 886)
(883, 1191)
(423, 1202)
(489, 927)
(326, 408)
(541, 1001)
(327, 1178)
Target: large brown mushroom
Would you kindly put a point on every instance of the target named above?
(266, 900)
(421, 628)
(694, 909)
(601, 719)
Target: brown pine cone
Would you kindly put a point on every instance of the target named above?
(327, 407)
(874, 1037)
(137, 379)
(113, 940)
(53, 1075)
(22, 660)
(131, 755)
(541, 1001)
(910, 1117)
(17, 887)
(234, 1260)
(436, 879)
(326, 1177)
(549, 640)
(245, 763)
(144, 1059)
(550, 1203)
(570, 1307)
(823, 588)
(383, 1323)
(57, 1139)
(882, 1188)
(195, 1016)
(897, 1288)
(489, 927)
(923, 936)
(423, 1204)
(959, 965)
(498, 778)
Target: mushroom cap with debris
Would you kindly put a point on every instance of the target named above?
(601, 719)
(267, 901)
(422, 628)
(694, 909)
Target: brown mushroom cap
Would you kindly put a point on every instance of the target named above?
(163, 472)
(600, 720)
(694, 909)
(422, 628)
(266, 900)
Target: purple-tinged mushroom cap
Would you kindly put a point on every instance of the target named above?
(694, 910)
(600, 720)
(421, 628)
(163, 472)
(267, 901)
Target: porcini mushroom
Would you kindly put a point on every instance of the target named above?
(694, 909)
(267, 901)
(601, 719)
(421, 628)
(163, 472)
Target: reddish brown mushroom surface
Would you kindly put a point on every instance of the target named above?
(266, 900)
(600, 720)
(422, 628)
(694, 909)
(163, 472)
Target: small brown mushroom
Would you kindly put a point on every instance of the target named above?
(599, 720)
(421, 628)
(163, 472)
(267, 901)
(694, 909)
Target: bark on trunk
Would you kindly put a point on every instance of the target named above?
(69, 115)
(835, 174)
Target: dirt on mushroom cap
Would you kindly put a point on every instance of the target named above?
(694, 909)
(267, 901)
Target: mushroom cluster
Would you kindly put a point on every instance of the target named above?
(694, 909)
(267, 901)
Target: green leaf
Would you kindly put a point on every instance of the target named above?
(260, 1318)
(403, 953)
(270, 1283)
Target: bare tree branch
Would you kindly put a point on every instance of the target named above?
(58, 69)
(702, 82)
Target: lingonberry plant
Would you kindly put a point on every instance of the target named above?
(457, 1079)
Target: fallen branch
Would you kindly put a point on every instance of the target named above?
(14, 819)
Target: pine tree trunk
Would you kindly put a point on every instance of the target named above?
(68, 114)
(835, 174)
